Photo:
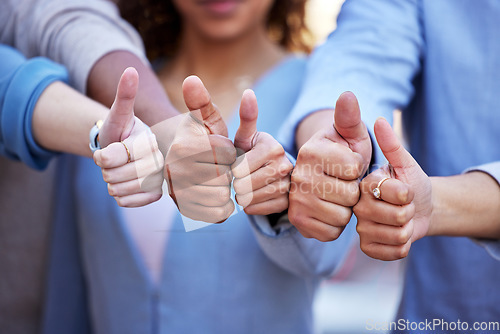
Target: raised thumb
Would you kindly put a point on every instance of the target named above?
(200, 105)
(348, 118)
(120, 120)
(249, 113)
(391, 147)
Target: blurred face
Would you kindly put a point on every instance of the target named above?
(223, 19)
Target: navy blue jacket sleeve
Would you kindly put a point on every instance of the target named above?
(21, 84)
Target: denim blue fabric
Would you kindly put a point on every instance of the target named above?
(438, 62)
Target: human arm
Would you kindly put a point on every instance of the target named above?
(413, 205)
(375, 53)
(198, 163)
(135, 177)
(35, 122)
(467, 204)
(91, 40)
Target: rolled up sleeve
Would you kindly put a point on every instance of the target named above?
(21, 84)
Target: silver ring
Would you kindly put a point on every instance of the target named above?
(377, 193)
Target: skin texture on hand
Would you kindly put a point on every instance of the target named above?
(388, 226)
(413, 205)
(262, 173)
(57, 129)
(325, 179)
(152, 104)
(139, 181)
(198, 163)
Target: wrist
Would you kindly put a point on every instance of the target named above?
(439, 208)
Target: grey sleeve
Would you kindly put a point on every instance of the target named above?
(75, 33)
(493, 169)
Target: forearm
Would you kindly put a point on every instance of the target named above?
(152, 105)
(466, 205)
(62, 119)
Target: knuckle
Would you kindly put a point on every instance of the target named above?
(344, 216)
(282, 204)
(305, 234)
(357, 210)
(299, 177)
(353, 194)
(112, 190)
(360, 228)
(106, 159)
(402, 237)
(227, 154)
(298, 220)
(251, 210)
(217, 215)
(238, 186)
(223, 194)
(331, 235)
(403, 251)
(277, 150)
(106, 175)
(243, 200)
(285, 167)
(306, 154)
(155, 197)
(120, 201)
(221, 213)
(335, 233)
(363, 246)
(401, 216)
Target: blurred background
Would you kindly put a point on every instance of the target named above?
(364, 290)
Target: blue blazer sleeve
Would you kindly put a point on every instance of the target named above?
(21, 84)
(375, 52)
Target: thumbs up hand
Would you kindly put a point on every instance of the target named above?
(325, 178)
(198, 163)
(387, 226)
(262, 173)
(130, 160)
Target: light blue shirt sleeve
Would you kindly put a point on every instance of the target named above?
(493, 169)
(383, 51)
(285, 246)
(376, 44)
(21, 84)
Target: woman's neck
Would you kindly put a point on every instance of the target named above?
(227, 68)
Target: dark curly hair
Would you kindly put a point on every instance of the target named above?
(159, 25)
